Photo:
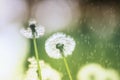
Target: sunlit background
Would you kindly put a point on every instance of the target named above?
(94, 24)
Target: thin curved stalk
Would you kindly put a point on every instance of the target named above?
(67, 67)
(37, 58)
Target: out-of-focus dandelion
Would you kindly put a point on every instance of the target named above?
(60, 46)
(34, 31)
(91, 72)
(96, 72)
(111, 74)
(47, 72)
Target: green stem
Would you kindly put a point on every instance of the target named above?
(67, 68)
(37, 58)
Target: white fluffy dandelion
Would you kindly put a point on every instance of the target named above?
(97, 72)
(59, 42)
(91, 72)
(60, 45)
(34, 30)
(48, 73)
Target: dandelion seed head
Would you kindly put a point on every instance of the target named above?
(48, 73)
(59, 40)
(35, 28)
(91, 71)
(97, 72)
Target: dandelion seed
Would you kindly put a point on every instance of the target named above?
(59, 42)
(48, 73)
(34, 30)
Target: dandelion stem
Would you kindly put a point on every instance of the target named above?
(67, 68)
(37, 58)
